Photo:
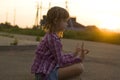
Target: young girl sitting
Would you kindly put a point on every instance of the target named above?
(50, 62)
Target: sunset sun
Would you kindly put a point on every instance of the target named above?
(109, 22)
(110, 25)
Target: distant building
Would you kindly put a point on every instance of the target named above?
(72, 24)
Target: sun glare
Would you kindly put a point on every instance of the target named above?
(109, 25)
(109, 22)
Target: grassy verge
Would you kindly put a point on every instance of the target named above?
(34, 32)
(98, 36)
(89, 35)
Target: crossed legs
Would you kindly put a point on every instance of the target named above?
(70, 72)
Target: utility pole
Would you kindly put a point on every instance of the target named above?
(7, 16)
(40, 10)
(14, 20)
(66, 5)
(37, 15)
(70, 21)
(50, 4)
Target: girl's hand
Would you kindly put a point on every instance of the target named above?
(77, 50)
(85, 51)
(80, 51)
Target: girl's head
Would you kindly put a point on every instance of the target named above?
(56, 20)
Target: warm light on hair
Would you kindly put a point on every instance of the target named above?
(54, 16)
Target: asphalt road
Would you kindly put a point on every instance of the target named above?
(102, 63)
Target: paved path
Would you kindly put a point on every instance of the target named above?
(102, 63)
(6, 40)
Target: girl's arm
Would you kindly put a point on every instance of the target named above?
(55, 48)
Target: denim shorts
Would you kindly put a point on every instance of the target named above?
(52, 76)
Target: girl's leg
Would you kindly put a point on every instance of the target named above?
(70, 71)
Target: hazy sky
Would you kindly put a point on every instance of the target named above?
(103, 13)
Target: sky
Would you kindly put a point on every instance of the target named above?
(102, 13)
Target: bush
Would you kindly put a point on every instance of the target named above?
(15, 42)
(38, 38)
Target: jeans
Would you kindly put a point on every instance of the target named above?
(52, 76)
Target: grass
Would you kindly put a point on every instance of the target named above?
(89, 35)
(36, 32)
(98, 36)
(15, 42)
(7, 35)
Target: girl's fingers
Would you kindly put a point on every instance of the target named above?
(77, 45)
(78, 48)
(86, 51)
(82, 46)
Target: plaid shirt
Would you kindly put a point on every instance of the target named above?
(49, 54)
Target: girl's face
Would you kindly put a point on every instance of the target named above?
(62, 25)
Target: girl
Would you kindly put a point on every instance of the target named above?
(50, 62)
